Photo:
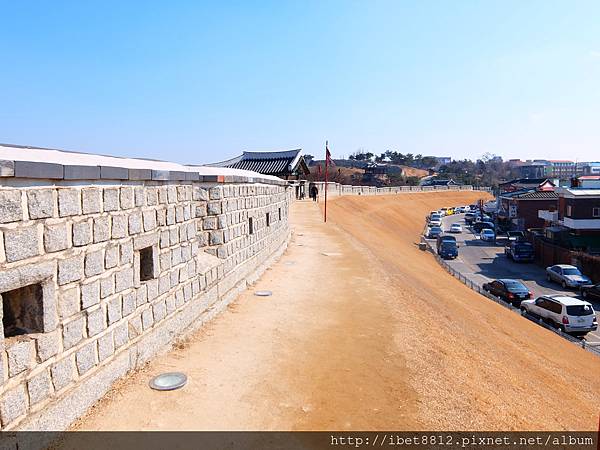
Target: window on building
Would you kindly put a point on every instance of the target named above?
(569, 210)
(280, 214)
(250, 225)
(146, 264)
(23, 310)
(268, 219)
(595, 212)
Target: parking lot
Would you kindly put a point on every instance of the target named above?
(481, 262)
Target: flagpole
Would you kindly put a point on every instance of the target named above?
(326, 175)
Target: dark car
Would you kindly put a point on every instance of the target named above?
(469, 218)
(434, 232)
(478, 226)
(509, 290)
(590, 291)
(447, 249)
(445, 237)
(519, 251)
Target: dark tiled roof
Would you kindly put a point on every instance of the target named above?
(438, 182)
(532, 195)
(268, 163)
(526, 181)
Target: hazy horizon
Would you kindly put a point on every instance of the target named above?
(198, 83)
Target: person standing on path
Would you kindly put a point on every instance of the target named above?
(314, 193)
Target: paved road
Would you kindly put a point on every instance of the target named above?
(484, 261)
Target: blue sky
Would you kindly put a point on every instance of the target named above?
(200, 82)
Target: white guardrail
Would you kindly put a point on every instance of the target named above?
(593, 347)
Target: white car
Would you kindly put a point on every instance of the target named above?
(570, 314)
(435, 223)
(435, 216)
(568, 276)
(455, 228)
(487, 235)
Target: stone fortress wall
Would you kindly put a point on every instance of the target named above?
(105, 261)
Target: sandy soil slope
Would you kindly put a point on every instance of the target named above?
(473, 364)
(373, 334)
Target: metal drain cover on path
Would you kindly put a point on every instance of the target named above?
(263, 293)
(168, 381)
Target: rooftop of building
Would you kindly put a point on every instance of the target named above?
(531, 194)
(272, 163)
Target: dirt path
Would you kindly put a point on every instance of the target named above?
(373, 335)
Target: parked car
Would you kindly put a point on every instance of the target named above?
(447, 249)
(434, 216)
(487, 235)
(435, 223)
(469, 218)
(515, 235)
(509, 290)
(455, 228)
(482, 218)
(434, 232)
(490, 206)
(477, 227)
(449, 211)
(519, 251)
(444, 237)
(443, 211)
(570, 314)
(567, 276)
(590, 291)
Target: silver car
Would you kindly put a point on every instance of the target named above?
(568, 276)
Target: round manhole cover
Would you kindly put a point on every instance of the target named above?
(168, 381)
(263, 293)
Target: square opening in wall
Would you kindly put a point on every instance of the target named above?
(268, 219)
(146, 264)
(23, 310)
(251, 225)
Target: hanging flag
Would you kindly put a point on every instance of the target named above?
(328, 160)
